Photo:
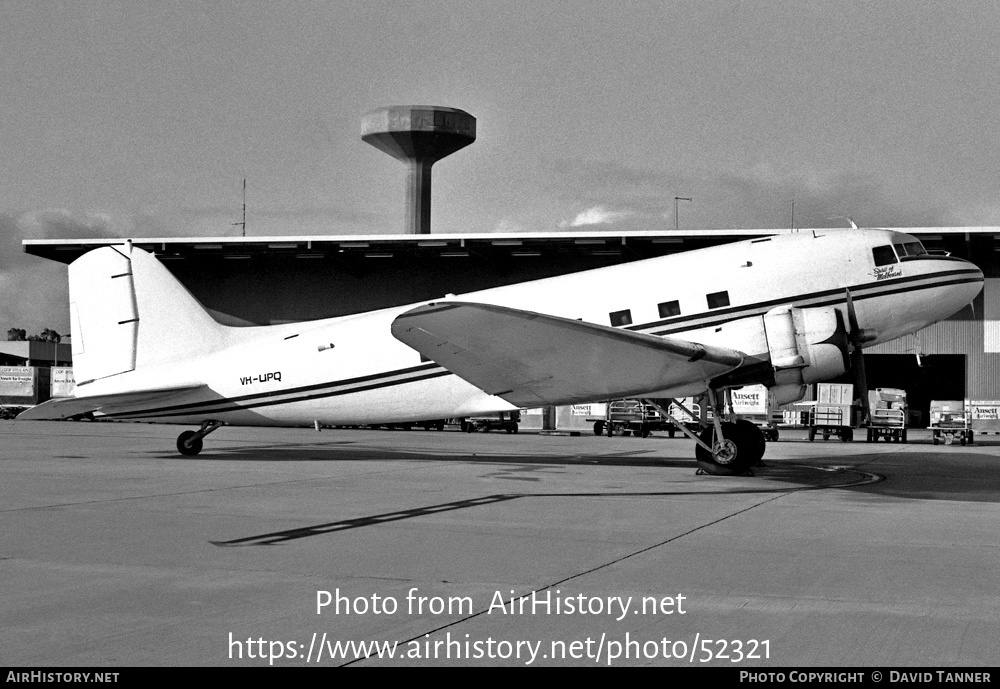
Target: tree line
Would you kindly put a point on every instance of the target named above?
(20, 335)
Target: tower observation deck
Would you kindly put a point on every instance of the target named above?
(418, 135)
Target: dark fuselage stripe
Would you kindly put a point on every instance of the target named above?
(826, 297)
(376, 380)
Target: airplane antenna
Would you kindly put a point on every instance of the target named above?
(677, 225)
(793, 215)
(244, 223)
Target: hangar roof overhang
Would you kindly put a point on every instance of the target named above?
(626, 245)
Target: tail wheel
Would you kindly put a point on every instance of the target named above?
(188, 443)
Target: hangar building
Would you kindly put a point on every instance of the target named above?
(267, 280)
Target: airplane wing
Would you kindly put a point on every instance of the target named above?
(64, 408)
(530, 359)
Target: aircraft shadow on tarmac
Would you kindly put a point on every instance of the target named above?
(914, 475)
(938, 474)
(918, 476)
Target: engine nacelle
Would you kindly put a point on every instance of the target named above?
(806, 345)
(786, 394)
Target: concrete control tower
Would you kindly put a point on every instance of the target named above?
(418, 135)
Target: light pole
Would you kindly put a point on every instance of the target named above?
(677, 224)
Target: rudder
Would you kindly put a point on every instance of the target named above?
(128, 312)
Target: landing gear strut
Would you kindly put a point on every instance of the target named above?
(736, 447)
(725, 448)
(189, 442)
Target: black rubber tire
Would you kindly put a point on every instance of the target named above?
(740, 464)
(598, 428)
(755, 441)
(846, 435)
(187, 446)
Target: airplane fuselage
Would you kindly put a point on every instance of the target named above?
(351, 370)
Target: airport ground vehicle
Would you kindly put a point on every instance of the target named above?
(827, 420)
(9, 411)
(949, 421)
(687, 415)
(833, 412)
(501, 421)
(888, 415)
(630, 417)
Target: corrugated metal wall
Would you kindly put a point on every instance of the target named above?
(969, 337)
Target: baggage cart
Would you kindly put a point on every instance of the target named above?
(949, 422)
(501, 421)
(832, 413)
(828, 420)
(888, 415)
(629, 417)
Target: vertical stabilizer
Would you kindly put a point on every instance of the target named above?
(128, 312)
(104, 319)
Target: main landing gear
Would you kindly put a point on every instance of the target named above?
(723, 448)
(189, 442)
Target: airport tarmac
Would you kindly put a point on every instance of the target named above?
(116, 551)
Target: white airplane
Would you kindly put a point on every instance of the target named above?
(785, 311)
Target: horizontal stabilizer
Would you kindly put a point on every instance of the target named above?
(530, 359)
(73, 406)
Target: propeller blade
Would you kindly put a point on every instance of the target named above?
(852, 317)
(856, 337)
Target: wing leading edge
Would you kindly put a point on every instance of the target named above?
(530, 359)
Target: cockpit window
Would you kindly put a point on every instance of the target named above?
(915, 249)
(884, 255)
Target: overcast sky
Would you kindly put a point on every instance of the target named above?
(142, 118)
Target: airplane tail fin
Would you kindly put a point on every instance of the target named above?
(128, 312)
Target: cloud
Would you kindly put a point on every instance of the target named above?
(597, 215)
(756, 196)
(34, 291)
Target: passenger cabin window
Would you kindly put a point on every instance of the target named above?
(621, 317)
(717, 300)
(884, 255)
(669, 308)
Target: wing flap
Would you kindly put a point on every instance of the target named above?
(65, 408)
(531, 359)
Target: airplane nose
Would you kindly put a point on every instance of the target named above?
(975, 280)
